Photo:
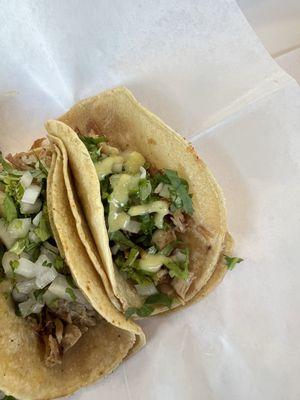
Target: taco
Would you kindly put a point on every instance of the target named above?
(59, 329)
(154, 209)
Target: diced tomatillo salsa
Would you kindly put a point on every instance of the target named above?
(146, 212)
(40, 283)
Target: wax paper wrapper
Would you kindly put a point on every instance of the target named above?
(199, 66)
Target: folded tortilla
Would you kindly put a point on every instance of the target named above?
(127, 125)
(99, 351)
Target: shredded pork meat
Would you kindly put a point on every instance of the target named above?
(179, 221)
(77, 314)
(61, 327)
(40, 149)
(71, 336)
(52, 351)
(182, 286)
(162, 238)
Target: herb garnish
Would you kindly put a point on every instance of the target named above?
(158, 299)
(232, 261)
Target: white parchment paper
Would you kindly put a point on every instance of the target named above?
(199, 66)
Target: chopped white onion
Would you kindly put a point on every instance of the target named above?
(81, 299)
(49, 297)
(26, 268)
(178, 256)
(26, 208)
(26, 307)
(26, 179)
(143, 172)
(30, 306)
(45, 277)
(117, 167)
(115, 249)
(50, 247)
(164, 192)
(26, 287)
(43, 259)
(158, 188)
(49, 253)
(31, 194)
(37, 218)
(33, 237)
(5, 236)
(45, 272)
(19, 227)
(146, 290)
(132, 226)
(25, 255)
(7, 259)
(18, 296)
(152, 262)
(37, 308)
(59, 286)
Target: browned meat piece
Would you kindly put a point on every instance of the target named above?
(181, 286)
(59, 330)
(71, 336)
(162, 276)
(179, 221)
(52, 351)
(75, 313)
(161, 238)
(27, 160)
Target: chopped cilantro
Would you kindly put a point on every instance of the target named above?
(42, 171)
(59, 263)
(47, 264)
(167, 250)
(179, 193)
(133, 254)
(143, 311)
(14, 264)
(33, 250)
(144, 241)
(179, 270)
(38, 293)
(145, 189)
(140, 277)
(13, 188)
(178, 189)
(120, 238)
(19, 246)
(129, 267)
(43, 230)
(232, 261)
(158, 299)
(105, 188)
(175, 270)
(147, 223)
(92, 145)
(10, 209)
(70, 292)
(70, 281)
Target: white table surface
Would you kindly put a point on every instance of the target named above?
(276, 22)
